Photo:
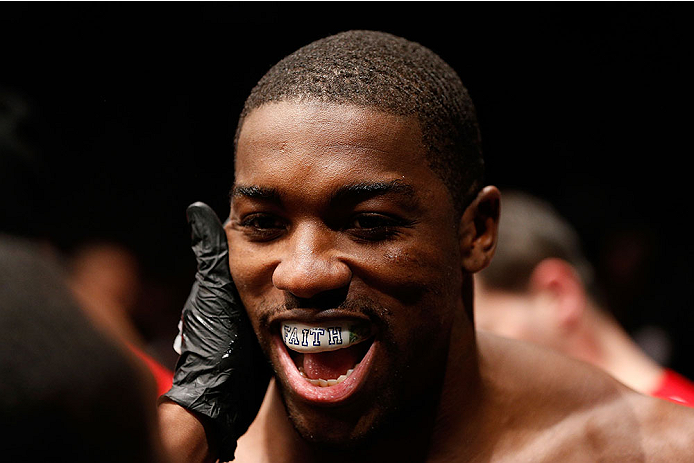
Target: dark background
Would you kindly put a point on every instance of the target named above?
(132, 109)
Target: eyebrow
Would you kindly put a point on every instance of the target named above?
(349, 193)
(255, 192)
(365, 190)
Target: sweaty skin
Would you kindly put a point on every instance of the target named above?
(336, 215)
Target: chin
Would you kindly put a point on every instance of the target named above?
(336, 430)
(359, 427)
(358, 391)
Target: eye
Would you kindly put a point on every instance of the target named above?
(373, 226)
(262, 226)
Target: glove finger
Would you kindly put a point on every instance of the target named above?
(209, 244)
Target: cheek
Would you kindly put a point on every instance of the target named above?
(246, 263)
(422, 287)
(412, 275)
(247, 272)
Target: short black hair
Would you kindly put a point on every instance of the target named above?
(388, 73)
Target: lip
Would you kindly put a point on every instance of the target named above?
(327, 396)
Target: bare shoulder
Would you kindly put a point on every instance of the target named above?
(667, 429)
(547, 407)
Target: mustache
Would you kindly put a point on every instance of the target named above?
(362, 305)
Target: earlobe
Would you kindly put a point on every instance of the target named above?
(478, 230)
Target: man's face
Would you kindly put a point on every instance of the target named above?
(337, 220)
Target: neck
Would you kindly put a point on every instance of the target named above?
(460, 407)
(604, 343)
(274, 436)
(461, 401)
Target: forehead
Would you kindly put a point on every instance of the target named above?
(299, 141)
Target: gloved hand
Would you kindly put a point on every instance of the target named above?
(221, 373)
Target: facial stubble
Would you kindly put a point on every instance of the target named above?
(406, 398)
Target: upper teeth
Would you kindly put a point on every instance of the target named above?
(322, 337)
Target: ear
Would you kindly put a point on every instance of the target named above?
(478, 230)
(556, 280)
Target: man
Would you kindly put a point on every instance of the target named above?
(358, 218)
(539, 288)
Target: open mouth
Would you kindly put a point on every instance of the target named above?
(327, 354)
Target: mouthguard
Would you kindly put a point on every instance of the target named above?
(324, 337)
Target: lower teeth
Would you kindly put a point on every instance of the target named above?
(327, 382)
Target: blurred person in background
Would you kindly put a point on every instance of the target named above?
(103, 275)
(68, 391)
(540, 288)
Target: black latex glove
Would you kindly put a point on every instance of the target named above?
(221, 373)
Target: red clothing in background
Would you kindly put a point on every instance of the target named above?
(162, 375)
(675, 388)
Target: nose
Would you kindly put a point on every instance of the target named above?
(310, 265)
